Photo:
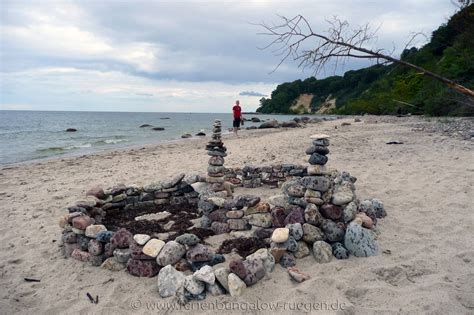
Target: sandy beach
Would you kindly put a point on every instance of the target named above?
(426, 259)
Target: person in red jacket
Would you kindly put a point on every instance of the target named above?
(237, 116)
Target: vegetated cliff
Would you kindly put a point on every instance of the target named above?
(387, 89)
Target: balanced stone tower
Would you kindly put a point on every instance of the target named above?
(317, 152)
(216, 149)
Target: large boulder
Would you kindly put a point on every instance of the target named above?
(360, 241)
(269, 124)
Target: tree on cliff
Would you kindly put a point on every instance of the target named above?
(296, 39)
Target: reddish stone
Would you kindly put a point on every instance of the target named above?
(218, 216)
(95, 247)
(278, 217)
(81, 255)
(199, 252)
(143, 268)
(182, 265)
(254, 270)
(82, 222)
(331, 211)
(237, 266)
(121, 239)
(97, 192)
(295, 216)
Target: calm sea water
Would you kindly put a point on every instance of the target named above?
(31, 135)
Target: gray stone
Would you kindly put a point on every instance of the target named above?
(199, 253)
(342, 197)
(237, 224)
(302, 251)
(263, 220)
(236, 285)
(317, 159)
(322, 252)
(255, 270)
(215, 289)
(188, 239)
(319, 183)
(312, 234)
(339, 251)
(296, 230)
(312, 215)
(279, 201)
(170, 253)
(334, 231)
(379, 208)
(122, 254)
(349, 212)
(205, 274)
(112, 264)
(287, 260)
(359, 241)
(222, 276)
(169, 281)
(193, 285)
(266, 257)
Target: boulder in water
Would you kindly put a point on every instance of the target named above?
(158, 128)
(145, 125)
(71, 130)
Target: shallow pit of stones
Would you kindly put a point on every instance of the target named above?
(200, 240)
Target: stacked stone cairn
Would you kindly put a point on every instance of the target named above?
(216, 149)
(317, 213)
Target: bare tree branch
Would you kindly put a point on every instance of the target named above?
(337, 44)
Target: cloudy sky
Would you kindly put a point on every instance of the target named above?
(179, 56)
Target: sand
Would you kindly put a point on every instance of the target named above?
(426, 264)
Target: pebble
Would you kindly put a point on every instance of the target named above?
(215, 289)
(302, 251)
(80, 255)
(199, 253)
(142, 268)
(246, 201)
(121, 239)
(312, 233)
(78, 231)
(83, 242)
(379, 208)
(330, 211)
(153, 247)
(234, 214)
(169, 281)
(317, 159)
(193, 285)
(342, 197)
(236, 285)
(290, 244)
(218, 215)
(334, 231)
(122, 255)
(319, 183)
(312, 215)
(261, 207)
(318, 170)
(287, 260)
(188, 239)
(322, 252)
(237, 224)
(349, 212)
(220, 228)
(93, 230)
(170, 253)
(136, 252)
(266, 257)
(104, 236)
(279, 201)
(112, 264)
(263, 220)
(254, 270)
(367, 222)
(296, 230)
(339, 251)
(297, 275)
(296, 215)
(359, 241)
(95, 247)
(205, 274)
(81, 222)
(69, 237)
(280, 235)
(278, 217)
(141, 239)
(222, 276)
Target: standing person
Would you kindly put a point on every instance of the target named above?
(237, 116)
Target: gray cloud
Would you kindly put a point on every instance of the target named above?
(251, 93)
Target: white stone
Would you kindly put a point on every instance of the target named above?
(205, 274)
(141, 239)
(280, 235)
(236, 285)
(153, 216)
(222, 275)
(93, 230)
(319, 136)
(153, 247)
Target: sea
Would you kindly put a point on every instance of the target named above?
(34, 135)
